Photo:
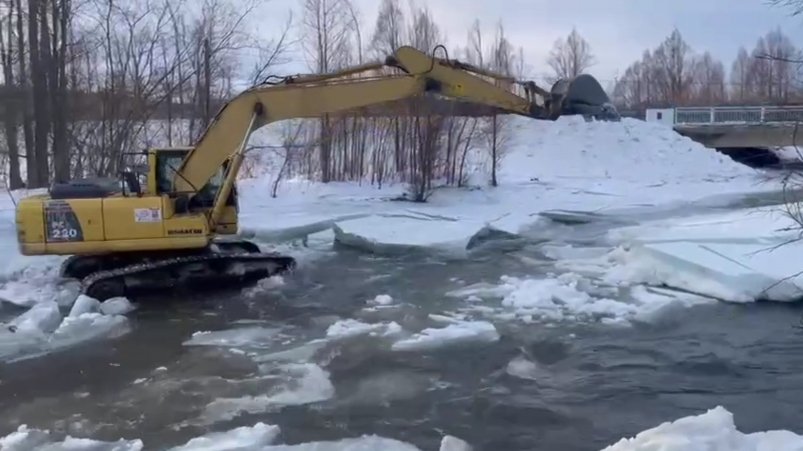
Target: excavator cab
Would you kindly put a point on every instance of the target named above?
(154, 177)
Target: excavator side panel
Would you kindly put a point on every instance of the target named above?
(132, 218)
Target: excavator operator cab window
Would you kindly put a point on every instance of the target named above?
(168, 161)
(166, 165)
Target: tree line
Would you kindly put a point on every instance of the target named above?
(673, 74)
(85, 83)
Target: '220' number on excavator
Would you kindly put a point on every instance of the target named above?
(60, 231)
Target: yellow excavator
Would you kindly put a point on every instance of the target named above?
(173, 224)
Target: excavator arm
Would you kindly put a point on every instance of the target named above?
(315, 95)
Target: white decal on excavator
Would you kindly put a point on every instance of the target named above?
(147, 215)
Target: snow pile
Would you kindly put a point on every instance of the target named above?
(711, 431)
(632, 150)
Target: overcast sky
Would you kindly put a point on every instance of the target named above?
(618, 30)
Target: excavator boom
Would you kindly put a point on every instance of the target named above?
(316, 95)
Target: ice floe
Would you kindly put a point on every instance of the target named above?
(712, 430)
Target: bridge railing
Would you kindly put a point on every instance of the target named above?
(738, 114)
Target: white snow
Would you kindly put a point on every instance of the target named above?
(713, 430)
(453, 334)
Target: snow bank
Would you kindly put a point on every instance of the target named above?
(634, 151)
(713, 430)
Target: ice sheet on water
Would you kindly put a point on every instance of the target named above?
(301, 383)
(737, 256)
(522, 368)
(734, 273)
(450, 443)
(42, 329)
(117, 306)
(394, 234)
(84, 304)
(26, 439)
(450, 335)
(241, 438)
(363, 443)
(43, 317)
(36, 281)
(257, 437)
(712, 430)
(352, 328)
(569, 297)
(250, 337)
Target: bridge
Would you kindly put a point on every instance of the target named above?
(736, 127)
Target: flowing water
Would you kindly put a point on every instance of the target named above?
(542, 385)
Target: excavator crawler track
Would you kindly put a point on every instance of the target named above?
(185, 273)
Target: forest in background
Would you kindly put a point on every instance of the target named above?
(85, 81)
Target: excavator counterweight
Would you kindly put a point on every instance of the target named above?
(172, 223)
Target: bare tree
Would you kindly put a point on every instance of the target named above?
(388, 30)
(570, 56)
(13, 102)
(739, 76)
(709, 81)
(327, 26)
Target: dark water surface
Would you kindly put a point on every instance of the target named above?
(582, 386)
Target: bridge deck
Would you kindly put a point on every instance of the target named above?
(741, 126)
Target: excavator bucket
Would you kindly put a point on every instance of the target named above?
(583, 95)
